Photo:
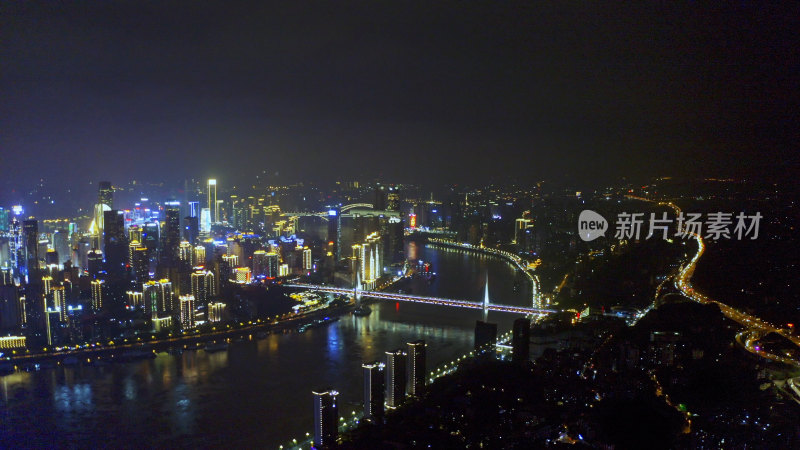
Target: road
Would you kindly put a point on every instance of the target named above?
(752, 324)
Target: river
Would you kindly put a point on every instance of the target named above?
(258, 392)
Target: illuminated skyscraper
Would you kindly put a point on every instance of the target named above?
(60, 302)
(187, 311)
(259, 264)
(307, 262)
(326, 418)
(140, 264)
(374, 391)
(157, 297)
(395, 378)
(243, 275)
(415, 367)
(203, 287)
(172, 234)
(94, 263)
(211, 200)
(105, 194)
(115, 243)
(335, 232)
(273, 261)
(199, 258)
(97, 294)
(185, 251)
(216, 310)
(135, 299)
(30, 232)
(205, 220)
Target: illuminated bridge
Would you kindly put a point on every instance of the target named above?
(485, 305)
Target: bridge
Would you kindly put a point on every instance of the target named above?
(485, 305)
(324, 215)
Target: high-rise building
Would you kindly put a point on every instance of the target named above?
(30, 231)
(242, 275)
(415, 367)
(326, 418)
(135, 299)
(205, 220)
(185, 251)
(307, 262)
(395, 378)
(216, 311)
(211, 200)
(521, 340)
(370, 261)
(187, 311)
(203, 287)
(335, 232)
(115, 243)
(62, 246)
(10, 308)
(94, 263)
(191, 229)
(374, 391)
(273, 262)
(172, 234)
(260, 264)
(105, 194)
(485, 336)
(97, 294)
(380, 199)
(158, 297)
(199, 258)
(140, 264)
(60, 302)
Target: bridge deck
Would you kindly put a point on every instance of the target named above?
(422, 299)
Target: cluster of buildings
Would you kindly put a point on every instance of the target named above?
(164, 265)
(387, 385)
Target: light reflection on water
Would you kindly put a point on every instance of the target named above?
(259, 391)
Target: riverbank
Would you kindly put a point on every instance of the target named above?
(122, 351)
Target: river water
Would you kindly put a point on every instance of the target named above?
(258, 392)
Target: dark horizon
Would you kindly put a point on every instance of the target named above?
(451, 92)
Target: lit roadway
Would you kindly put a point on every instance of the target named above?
(420, 299)
(754, 326)
(515, 260)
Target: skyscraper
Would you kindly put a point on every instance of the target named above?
(172, 234)
(115, 243)
(30, 232)
(326, 417)
(415, 367)
(203, 288)
(260, 264)
(105, 194)
(97, 294)
(187, 311)
(521, 340)
(335, 232)
(485, 336)
(211, 200)
(374, 391)
(94, 263)
(395, 378)
(158, 297)
(191, 228)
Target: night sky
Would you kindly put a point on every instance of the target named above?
(417, 91)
